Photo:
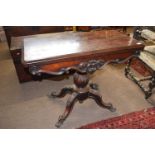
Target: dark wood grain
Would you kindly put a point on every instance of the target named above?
(107, 45)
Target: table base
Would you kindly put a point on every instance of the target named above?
(82, 88)
(80, 91)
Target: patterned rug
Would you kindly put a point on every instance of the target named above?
(144, 119)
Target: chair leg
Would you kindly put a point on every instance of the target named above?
(151, 87)
(127, 68)
(146, 91)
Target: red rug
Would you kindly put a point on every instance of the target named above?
(144, 119)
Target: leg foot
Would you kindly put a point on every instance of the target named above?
(94, 86)
(70, 104)
(97, 97)
(60, 122)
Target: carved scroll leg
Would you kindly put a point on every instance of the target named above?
(70, 104)
(97, 97)
(62, 93)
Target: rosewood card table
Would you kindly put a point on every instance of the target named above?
(82, 53)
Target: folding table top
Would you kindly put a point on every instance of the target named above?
(58, 46)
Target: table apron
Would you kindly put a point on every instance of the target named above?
(73, 62)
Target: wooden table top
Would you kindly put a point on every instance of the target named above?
(18, 42)
(57, 47)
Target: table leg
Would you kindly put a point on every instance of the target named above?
(98, 99)
(70, 104)
(64, 91)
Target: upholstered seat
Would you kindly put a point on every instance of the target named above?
(148, 34)
(148, 56)
(150, 49)
(148, 59)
